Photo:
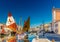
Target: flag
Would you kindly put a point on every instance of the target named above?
(11, 23)
(26, 26)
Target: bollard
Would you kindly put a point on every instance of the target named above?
(53, 40)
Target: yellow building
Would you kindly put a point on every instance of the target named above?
(56, 20)
(46, 26)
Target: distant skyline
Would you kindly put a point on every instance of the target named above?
(38, 10)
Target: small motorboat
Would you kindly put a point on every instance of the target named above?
(37, 39)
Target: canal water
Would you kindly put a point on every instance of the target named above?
(47, 35)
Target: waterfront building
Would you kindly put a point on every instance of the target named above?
(48, 27)
(41, 27)
(56, 20)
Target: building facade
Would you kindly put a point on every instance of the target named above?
(56, 20)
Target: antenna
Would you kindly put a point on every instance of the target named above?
(53, 4)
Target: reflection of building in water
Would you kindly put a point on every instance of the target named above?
(56, 20)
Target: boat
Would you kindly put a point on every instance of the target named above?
(37, 39)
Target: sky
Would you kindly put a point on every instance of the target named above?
(38, 10)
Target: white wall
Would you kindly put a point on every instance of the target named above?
(58, 27)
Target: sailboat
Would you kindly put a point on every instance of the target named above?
(11, 27)
(26, 26)
(24, 33)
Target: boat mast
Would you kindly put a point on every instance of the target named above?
(20, 24)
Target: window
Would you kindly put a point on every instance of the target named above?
(56, 25)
